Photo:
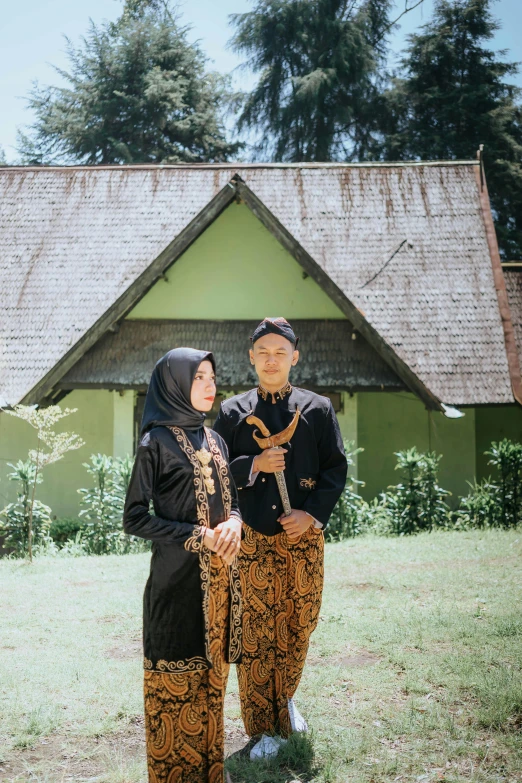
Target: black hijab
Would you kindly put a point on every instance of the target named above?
(168, 397)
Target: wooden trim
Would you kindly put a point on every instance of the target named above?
(500, 287)
(356, 317)
(134, 292)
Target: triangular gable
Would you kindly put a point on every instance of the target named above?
(235, 189)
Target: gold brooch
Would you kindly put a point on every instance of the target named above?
(204, 458)
(308, 483)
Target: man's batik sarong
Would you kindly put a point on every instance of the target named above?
(281, 584)
(184, 712)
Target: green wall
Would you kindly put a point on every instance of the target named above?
(236, 270)
(493, 424)
(390, 422)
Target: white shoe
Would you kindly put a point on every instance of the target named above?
(266, 748)
(297, 721)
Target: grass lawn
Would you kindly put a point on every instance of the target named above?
(414, 673)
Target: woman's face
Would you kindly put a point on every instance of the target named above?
(203, 390)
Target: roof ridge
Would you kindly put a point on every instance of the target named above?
(238, 165)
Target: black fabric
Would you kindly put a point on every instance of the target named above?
(173, 627)
(275, 326)
(168, 396)
(315, 454)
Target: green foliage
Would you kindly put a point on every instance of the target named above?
(137, 91)
(478, 509)
(65, 529)
(51, 446)
(345, 521)
(450, 96)
(506, 457)
(100, 507)
(496, 502)
(319, 65)
(103, 504)
(417, 503)
(18, 520)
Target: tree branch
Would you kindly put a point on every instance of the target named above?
(392, 24)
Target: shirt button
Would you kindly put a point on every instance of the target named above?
(263, 479)
(274, 507)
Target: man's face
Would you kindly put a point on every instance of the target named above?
(273, 356)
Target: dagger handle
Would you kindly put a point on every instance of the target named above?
(283, 491)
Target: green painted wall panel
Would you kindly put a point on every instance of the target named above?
(493, 424)
(93, 422)
(236, 269)
(347, 419)
(389, 422)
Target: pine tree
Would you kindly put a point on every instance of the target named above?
(137, 92)
(319, 65)
(450, 97)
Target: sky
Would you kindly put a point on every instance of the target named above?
(31, 35)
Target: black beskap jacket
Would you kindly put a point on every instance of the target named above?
(316, 465)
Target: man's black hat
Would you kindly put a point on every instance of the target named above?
(275, 326)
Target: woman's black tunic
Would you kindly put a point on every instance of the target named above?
(167, 473)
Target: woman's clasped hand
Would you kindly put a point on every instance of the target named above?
(225, 539)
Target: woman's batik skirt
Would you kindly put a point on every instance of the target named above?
(184, 712)
(281, 584)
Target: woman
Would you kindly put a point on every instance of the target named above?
(191, 613)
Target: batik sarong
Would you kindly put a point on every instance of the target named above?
(184, 711)
(281, 582)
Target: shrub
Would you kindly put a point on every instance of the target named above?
(495, 502)
(345, 521)
(506, 457)
(100, 507)
(27, 518)
(65, 529)
(479, 508)
(417, 503)
(51, 446)
(102, 531)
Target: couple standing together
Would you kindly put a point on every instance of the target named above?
(233, 578)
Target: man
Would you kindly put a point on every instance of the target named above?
(281, 558)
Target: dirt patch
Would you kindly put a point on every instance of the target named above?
(362, 658)
(60, 757)
(350, 660)
(126, 650)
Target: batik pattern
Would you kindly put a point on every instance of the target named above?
(184, 712)
(281, 585)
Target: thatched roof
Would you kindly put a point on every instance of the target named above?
(406, 244)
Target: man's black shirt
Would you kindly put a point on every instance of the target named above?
(315, 464)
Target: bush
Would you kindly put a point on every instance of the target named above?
(65, 529)
(417, 503)
(506, 457)
(103, 504)
(26, 518)
(479, 508)
(495, 503)
(345, 521)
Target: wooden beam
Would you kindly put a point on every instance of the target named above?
(133, 293)
(311, 267)
(500, 287)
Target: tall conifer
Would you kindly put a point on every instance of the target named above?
(137, 91)
(319, 65)
(452, 95)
